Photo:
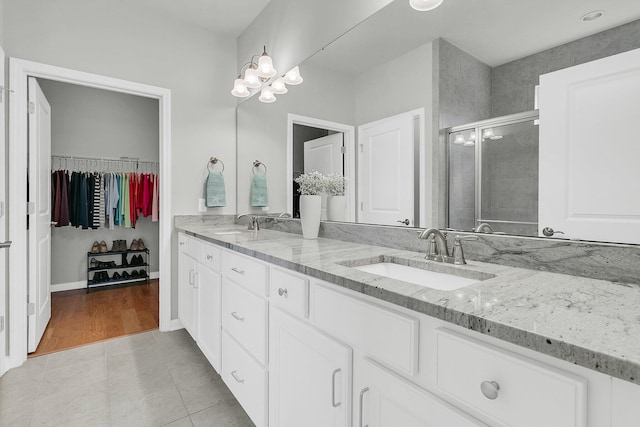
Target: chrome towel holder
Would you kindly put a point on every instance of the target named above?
(256, 165)
(214, 161)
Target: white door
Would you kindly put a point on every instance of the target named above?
(587, 118)
(385, 171)
(4, 250)
(39, 214)
(387, 400)
(325, 156)
(309, 376)
(209, 319)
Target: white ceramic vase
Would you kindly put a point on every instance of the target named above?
(310, 210)
(336, 208)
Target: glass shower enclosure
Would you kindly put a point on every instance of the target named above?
(493, 175)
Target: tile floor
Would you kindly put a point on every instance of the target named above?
(148, 379)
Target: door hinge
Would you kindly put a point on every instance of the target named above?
(31, 308)
(32, 108)
(361, 206)
(1, 323)
(31, 208)
(362, 148)
(343, 149)
(1, 93)
(1, 209)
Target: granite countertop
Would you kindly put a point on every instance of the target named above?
(592, 323)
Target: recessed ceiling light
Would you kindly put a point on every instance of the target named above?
(592, 16)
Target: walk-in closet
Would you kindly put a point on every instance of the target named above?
(104, 204)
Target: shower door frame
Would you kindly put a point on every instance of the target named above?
(478, 127)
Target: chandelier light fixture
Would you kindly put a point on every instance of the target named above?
(425, 5)
(260, 71)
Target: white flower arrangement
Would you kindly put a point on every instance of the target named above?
(311, 183)
(335, 184)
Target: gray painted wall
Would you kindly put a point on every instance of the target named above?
(512, 84)
(131, 42)
(98, 123)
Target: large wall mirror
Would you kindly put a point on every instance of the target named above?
(431, 116)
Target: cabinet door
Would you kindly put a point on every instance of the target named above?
(309, 376)
(208, 285)
(187, 293)
(387, 400)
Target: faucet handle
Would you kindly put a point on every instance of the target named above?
(458, 253)
(432, 249)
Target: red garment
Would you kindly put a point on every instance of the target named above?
(133, 199)
(139, 194)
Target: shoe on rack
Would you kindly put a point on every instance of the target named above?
(141, 246)
(116, 276)
(93, 263)
(134, 245)
(122, 245)
(143, 273)
(126, 275)
(115, 247)
(103, 247)
(134, 274)
(95, 248)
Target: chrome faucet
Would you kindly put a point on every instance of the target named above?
(254, 223)
(437, 250)
(484, 228)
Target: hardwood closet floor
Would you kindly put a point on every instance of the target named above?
(79, 318)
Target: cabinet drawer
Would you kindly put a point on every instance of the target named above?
(244, 316)
(190, 246)
(246, 379)
(210, 256)
(289, 291)
(183, 243)
(246, 271)
(508, 388)
(385, 335)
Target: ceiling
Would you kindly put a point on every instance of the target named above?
(223, 17)
(493, 31)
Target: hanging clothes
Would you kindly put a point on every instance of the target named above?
(155, 207)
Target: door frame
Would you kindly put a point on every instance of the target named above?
(19, 71)
(349, 163)
(4, 95)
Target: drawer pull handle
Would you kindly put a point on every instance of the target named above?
(237, 270)
(237, 316)
(283, 292)
(191, 276)
(362, 392)
(209, 257)
(235, 376)
(333, 389)
(490, 389)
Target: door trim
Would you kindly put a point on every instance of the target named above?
(349, 163)
(19, 71)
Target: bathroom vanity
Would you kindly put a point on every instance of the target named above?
(302, 336)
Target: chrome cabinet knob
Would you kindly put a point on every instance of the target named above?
(209, 257)
(548, 231)
(490, 389)
(405, 222)
(282, 292)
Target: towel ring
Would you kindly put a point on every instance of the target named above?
(214, 161)
(257, 164)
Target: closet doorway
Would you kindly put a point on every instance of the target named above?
(104, 229)
(23, 266)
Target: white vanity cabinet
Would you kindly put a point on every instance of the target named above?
(199, 294)
(309, 375)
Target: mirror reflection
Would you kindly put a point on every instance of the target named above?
(396, 111)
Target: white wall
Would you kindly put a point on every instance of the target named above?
(126, 41)
(262, 128)
(99, 123)
(293, 30)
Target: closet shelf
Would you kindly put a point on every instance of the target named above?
(100, 277)
(92, 284)
(118, 267)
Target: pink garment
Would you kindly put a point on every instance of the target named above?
(155, 208)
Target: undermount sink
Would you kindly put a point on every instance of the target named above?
(420, 276)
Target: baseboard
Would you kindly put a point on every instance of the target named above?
(83, 284)
(175, 325)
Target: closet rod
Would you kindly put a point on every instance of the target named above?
(106, 159)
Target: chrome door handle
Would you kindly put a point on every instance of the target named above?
(237, 316)
(548, 231)
(191, 276)
(5, 244)
(237, 270)
(283, 292)
(333, 389)
(405, 222)
(362, 392)
(490, 389)
(235, 376)
(196, 279)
